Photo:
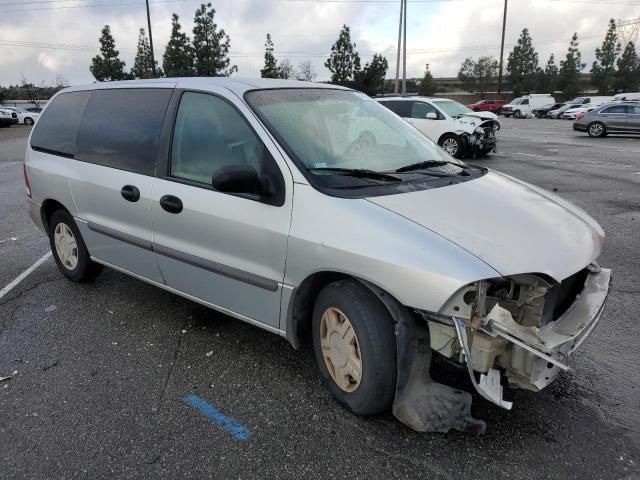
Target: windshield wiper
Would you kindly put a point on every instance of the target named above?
(425, 164)
(357, 172)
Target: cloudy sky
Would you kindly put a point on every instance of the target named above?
(45, 38)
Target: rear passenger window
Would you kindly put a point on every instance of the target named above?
(615, 109)
(57, 129)
(209, 133)
(121, 128)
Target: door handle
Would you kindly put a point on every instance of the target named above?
(130, 193)
(171, 204)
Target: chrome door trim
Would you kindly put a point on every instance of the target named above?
(218, 268)
(199, 262)
(123, 237)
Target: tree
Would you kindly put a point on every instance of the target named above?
(270, 69)
(143, 65)
(627, 78)
(548, 78)
(370, 79)
(427, 85)
(344, 61)
(210, 45)
(178, 56)
(466, 76)
(570, 68)
(603, 70)
(286, 70)
(61, 82)
(107, 66)
(306, 72)
(522, 65)
(478, 76)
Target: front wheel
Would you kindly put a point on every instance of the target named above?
(452, 144)
(354, 344)
(517, 114)
(69, 249)
(597, 129)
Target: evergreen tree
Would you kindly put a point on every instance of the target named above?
(370, 79)
(143, 66)
(270, 69)
(178, 56)
(344, 61)
(210, 45)
(627, 78)
(107, 66)
(603, 71)
(286, 70)
(522, 65)
(427, 85)
(570, 68)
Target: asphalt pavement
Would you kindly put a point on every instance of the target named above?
(104, 375)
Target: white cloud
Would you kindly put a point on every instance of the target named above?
(441, 34)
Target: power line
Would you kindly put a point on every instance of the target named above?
(64, 7)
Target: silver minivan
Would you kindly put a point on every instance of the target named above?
(314, 212)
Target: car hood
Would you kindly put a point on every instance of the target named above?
(512, 226)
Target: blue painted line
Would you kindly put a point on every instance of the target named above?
(216, 416)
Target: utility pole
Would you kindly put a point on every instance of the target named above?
(397, 84)
(153, 60)
(404, 52)
(504, 26)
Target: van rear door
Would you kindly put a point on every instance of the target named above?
(116, 148)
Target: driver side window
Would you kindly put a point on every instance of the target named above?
(525, 102)
(208, 134)
(419, 110)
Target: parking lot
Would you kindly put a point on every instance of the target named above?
(100, 372)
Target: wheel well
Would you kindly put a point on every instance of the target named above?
(301, 305)
(46, 210)
(444, 135)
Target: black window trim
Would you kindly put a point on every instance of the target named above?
(609, 107)
(163, 165)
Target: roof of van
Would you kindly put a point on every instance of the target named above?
(411, 97)
(236, 84)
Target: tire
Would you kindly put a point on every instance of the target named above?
(373, 344)
(506, 116)
(28, 121)
(597, 129)
(448, 142)
(73, 262)
(517, 114)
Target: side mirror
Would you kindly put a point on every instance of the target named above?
(432, 116)
(237, 179)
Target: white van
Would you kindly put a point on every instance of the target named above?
(599, 100)
(522, 105)
(627, 96)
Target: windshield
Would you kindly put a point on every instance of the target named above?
(452, 108)
(517, 101)
(326, 129)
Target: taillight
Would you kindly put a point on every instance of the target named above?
(27, 186)
(579, 116)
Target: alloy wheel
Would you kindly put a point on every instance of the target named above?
(596, 129)
(450, 145)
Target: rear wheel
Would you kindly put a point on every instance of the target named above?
(69, 249)
(597, 129)
(354, 344)
(452, 144)
(28, 121)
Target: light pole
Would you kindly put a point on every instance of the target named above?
(153, 61)
(397, 84)
(504, 25)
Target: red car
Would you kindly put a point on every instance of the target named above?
(487, 105)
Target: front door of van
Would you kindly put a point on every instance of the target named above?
(224, 249)
(428, 120)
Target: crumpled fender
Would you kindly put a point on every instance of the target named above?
(421, 403)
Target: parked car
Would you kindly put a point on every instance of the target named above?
(311, 211)
(542, 111)
(487, 106)
(619, 117)
(24, 116)
(520, 106)
(557, 113)
(456, 128)
(33, 109)
(629, 96)
(7, 117)
(573, 112)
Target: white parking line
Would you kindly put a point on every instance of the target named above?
(24, 274)
(9, 164)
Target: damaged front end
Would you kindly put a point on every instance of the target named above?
(479, 137)
(522, 327)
